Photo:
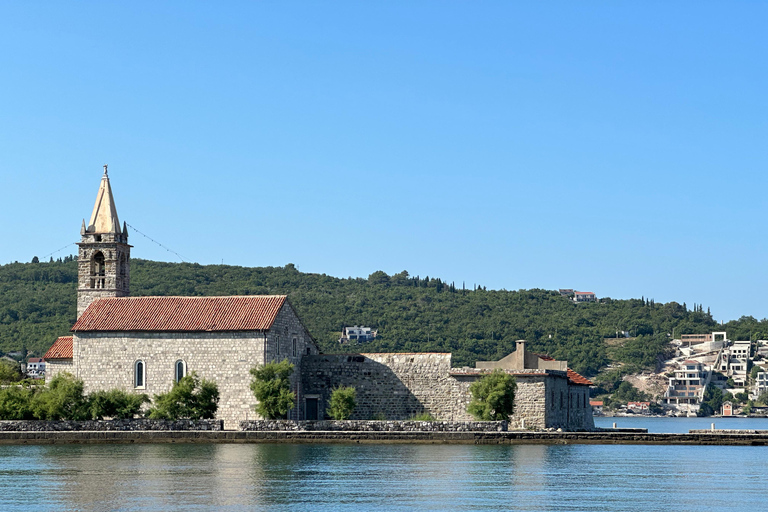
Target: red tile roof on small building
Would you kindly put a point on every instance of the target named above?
(596, 403)
(35, 360)
(574, 377)
(179, 314)
(61, 348)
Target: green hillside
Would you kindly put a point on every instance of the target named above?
(37, 303)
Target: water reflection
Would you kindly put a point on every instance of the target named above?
(380, 477)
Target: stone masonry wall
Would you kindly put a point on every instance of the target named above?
(374, 426)
(399, 386)
(280, 345)
(54, 367)
(106, 361)
(108, 425)
(390, 386)
(116, 279)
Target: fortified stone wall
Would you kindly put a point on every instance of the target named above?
(389, 386)
(399, 386)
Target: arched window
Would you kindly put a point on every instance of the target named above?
(180, 370)
(139, 374)
(98, 270)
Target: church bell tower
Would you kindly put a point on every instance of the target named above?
(103, 261)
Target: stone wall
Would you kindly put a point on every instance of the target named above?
(109, 425)
(289, 339)
(54, 367)
(579, 411)
(116, 279)
(106, 360)
(399, 386)
(389, 386)
(374, 426)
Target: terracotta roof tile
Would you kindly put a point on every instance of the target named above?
(196, 314)
(572, 375)
(61, 349)
(578, 379)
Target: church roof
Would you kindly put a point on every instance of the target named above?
(61, 349)
(104, 217)
(178, 314)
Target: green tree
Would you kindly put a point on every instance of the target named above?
(190, 398)
(62, 399)
(9, 372)
(271, 386)
(713, 399)
(116, 404)
(342, 403)
(16, 403)
(493, 396)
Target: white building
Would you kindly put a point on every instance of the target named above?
(357, 333)
(687, 385)
(36, 367)
(734, 361)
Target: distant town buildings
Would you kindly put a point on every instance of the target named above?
(639, 407)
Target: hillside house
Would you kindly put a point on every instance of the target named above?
(584, 297)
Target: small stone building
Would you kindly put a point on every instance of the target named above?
(400, 386)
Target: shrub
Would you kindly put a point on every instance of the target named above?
(424, 416)
(493, 397)
(115, 404)
(190, 398)
(16, 403)
(272, 388)
(342, 403)
(9, 372)
(62, 399)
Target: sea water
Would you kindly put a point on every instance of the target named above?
(398, 477)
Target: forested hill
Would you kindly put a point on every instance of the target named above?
(37, 304)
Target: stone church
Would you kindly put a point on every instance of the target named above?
(146, 344)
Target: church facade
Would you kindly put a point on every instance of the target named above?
(146, 344)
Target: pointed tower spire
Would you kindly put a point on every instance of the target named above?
(103, 260)
(125, 230)
(104, 217)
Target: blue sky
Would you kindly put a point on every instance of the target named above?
(614, 147)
